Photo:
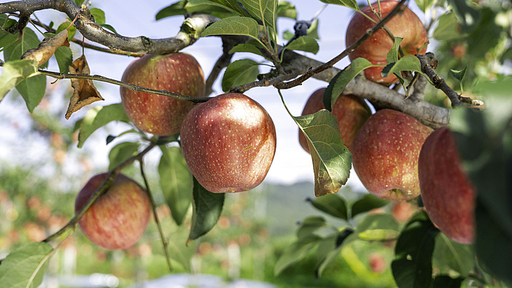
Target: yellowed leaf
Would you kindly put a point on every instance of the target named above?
(84, 92)
(47, 48)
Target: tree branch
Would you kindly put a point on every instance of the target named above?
(189, 33)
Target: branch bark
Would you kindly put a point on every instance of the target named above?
(189, 33)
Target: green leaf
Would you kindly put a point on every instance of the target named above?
(378, 227)
(367, 203)
(467, 16)
(14, 72)
(240, 72)
(499, 87)
(247, 47)
(304, 43)
(295, 252)
(207, 207)
(207, 6)
(233, 5)
(121, 152)
(452, 256)
(407, 63)
(286, 9)
(32, 90)
(310, 225)
(109, 27)
(27, 41)
(412, 266)
(174, 9)
(98, 117)
(424, 5)
(392, 56)
(338, 83)
(263, 10)
(99, 15)
(331, 204)
(447, 28)
(331, 159)
(71, 30)
(445, 281)
(176, 182)
(234, 26)
(458, 74)
(24, 266)
(342, 237)
(347, 3)
(64, 57)
(181, 250)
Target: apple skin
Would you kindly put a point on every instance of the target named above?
(447, 193)
(385, 154)
(119, 217)
(229, 143)
(156, 114)
(375, 49)
(350, 110)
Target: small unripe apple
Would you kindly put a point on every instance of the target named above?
(178, 73)
(350, 110)
(446, 191)
(228, 143)
(118, 218)
(385, 154)
(375, 49)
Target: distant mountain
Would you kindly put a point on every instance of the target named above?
(287, 205)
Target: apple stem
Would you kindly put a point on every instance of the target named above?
(153, 207)
(99, 192)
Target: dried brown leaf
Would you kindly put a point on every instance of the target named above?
(47, 48)
(84, 91)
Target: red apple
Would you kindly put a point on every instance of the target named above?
(385, 154)
(350, 110)
(446, 191)
(228, 143)
(119, 217)
(156, 114)
(375, 49)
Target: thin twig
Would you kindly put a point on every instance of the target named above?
(123, 84)
(153, 207)
(428, 64)
(99, 192)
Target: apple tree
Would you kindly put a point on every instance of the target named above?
(441, 136)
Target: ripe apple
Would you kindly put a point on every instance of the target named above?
(375, 49)
(385, 154)
(156, 114)
(228, 143)
(350, 110)
(446, 191)
(119, 217)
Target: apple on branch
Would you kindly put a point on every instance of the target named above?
(350, 110)
(375, 49)
(118, 218)
(178, 73)
(446, 191)
(385, 154)
(228, 143)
